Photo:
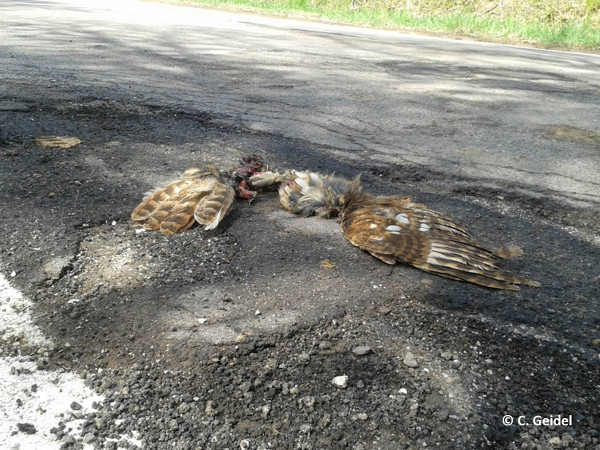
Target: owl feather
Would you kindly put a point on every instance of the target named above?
(393, 228)
(306, 193)
(211, 208)
(198, 196)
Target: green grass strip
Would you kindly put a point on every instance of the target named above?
(565, 35)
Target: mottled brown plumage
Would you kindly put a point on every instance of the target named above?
(396, 229)
(203, 196)
(200, 196)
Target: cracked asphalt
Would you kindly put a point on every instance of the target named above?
(231, 338)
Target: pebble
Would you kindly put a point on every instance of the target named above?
(555, 441)
(264, 411)
(442, 415)
(56, 266)
(340, 382)
(362, 350)
(414, 410)
(26, 428)
(307, 402)
(183, 408)
(305, 428)
(76, 406)
(324, 345)
(410, 360)
(303, 357)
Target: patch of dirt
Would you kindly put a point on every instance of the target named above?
(574, 134)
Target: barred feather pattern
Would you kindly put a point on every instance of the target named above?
(198, 196)
(214, 206)
(396, 229)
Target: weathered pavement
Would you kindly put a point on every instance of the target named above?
(243, 326)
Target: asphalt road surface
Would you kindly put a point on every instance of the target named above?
(231, 338)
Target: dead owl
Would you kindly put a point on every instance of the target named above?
(393, 228)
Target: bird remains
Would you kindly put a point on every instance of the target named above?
(203, 196)
(390, 228)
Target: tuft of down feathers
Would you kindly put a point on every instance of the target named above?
(306, 193)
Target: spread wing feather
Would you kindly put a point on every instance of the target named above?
(157, 199)
(197, 196)
(212, 208)
(395, 229)
(179, 213)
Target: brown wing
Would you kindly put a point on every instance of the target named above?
(387, 231)
(212, 208)
(177, 215)
(171, 209)
(395, 229)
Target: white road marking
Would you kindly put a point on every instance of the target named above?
(41, 398)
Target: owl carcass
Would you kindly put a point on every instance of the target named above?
(394, 228)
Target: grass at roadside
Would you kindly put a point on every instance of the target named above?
(554, 24)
